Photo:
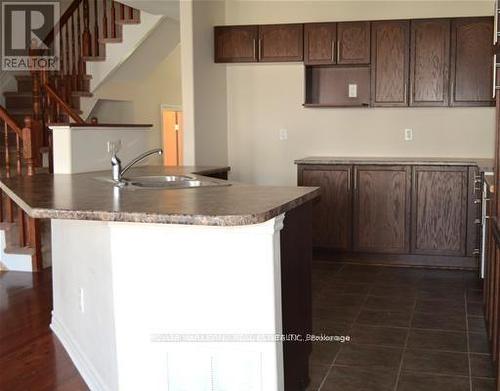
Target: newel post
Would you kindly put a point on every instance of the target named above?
(28, 145)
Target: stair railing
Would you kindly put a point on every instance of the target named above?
(26, 144)
(81, 28)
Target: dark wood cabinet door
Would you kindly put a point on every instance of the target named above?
(235, 43)
(332, 220)
(320, 41)
(430, 62)
(353, 43)
(471, 62)
(439, 210)
(281, 42)
(389, 63)
(382, 209)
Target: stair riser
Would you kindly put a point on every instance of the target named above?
(24, 85)
(18, 102)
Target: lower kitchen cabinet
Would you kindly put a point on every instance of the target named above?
(333, 211)
(382, 209)
(403, 214)
(439, 213)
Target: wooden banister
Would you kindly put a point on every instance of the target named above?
(66, 108)
(11, 123)
(62, 21)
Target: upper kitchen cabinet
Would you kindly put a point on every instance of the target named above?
(353, 43)
(390, 63)
(281, 42)
(337, 43)
(236, 43)
(471, 62)
(320, 40)
(430, 62)
(382, 209)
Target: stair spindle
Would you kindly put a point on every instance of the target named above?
(86, 38)
(67, 78)
(104, 20)
(122, 11)
(113, 19)
(81, 64)
(19, 167)
(6, 149)
(96, 29)
(22, 226)
(130, 13)
(74, 69)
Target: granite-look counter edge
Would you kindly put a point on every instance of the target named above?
(483, 164)
(92, 196)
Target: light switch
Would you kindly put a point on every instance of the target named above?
(408, 134)
(353, 90)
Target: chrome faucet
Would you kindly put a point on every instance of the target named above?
(116, 164)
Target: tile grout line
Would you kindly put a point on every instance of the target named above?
(336, 354)
(400, 369)
(348, 331)
(468, 342)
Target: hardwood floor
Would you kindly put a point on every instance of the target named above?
(31, 357)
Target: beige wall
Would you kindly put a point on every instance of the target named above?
(263, 98)
(203, 83)
(143, 96)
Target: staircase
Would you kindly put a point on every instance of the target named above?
(88, 29)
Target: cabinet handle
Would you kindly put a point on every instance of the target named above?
(338, 51)
(476, 251)
(494, 74)
(255, 48)
(355, 181)
(477, 201)
(260, 48)
(333, 51)
(348, 181)
(405, 96)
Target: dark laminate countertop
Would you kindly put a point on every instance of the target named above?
(92, 196)
(483, 164)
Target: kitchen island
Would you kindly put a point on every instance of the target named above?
(181, 289)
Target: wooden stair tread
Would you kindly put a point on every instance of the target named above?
(82, 93)
(29, 77)
(128, 21)
(19, 250)
(94, 58)
(111, 40)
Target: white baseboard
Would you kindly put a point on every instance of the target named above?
(81, 362)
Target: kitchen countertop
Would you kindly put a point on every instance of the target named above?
(483, 164)
(93, 196)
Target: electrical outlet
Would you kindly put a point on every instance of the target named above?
(408, 134)
(82, 301)
(353, 90)
(113, 146)
(283, 134)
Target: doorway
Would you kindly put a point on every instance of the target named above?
(172, 135)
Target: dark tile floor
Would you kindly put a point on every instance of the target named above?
(410, 329)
